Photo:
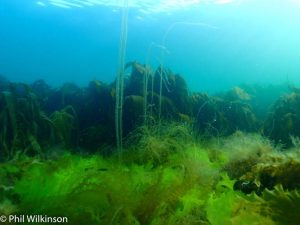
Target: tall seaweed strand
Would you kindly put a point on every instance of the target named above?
(146, 75)
(170, 28)
(150, 74)
(120, 76)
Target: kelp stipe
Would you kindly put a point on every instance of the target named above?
(150, 74)
(162, 57)
(120, 76)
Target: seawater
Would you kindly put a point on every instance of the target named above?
(214, 44)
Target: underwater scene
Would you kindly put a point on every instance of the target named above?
(151, 112)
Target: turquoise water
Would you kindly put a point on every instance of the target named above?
(215, 45)
(152, 149)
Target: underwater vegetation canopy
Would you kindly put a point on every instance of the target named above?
(144, 149)
(174, 181)
(202, 159)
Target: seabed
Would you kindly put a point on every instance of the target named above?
(186, 158)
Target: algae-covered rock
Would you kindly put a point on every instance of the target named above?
(97, 105)
(209, 120)
(284, 120)
(169, 101)
(237, 109)
(240, 117)
(180, 96)
(263, 97)
(132, 113)
(168, 109)
(243, 152)
(136, 82)
(173, 87)
(96, 116)
(256, 165)
(215, 116)
(276, 168)
(237, 94)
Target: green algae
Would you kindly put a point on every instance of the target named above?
(184, 182)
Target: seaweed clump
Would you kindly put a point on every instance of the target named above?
(284, 119)
(24, 126)
(155, 144)
(183, 182)
(223, 114)
(187, 158)
(88, 189)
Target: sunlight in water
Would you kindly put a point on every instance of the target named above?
(147, 5)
